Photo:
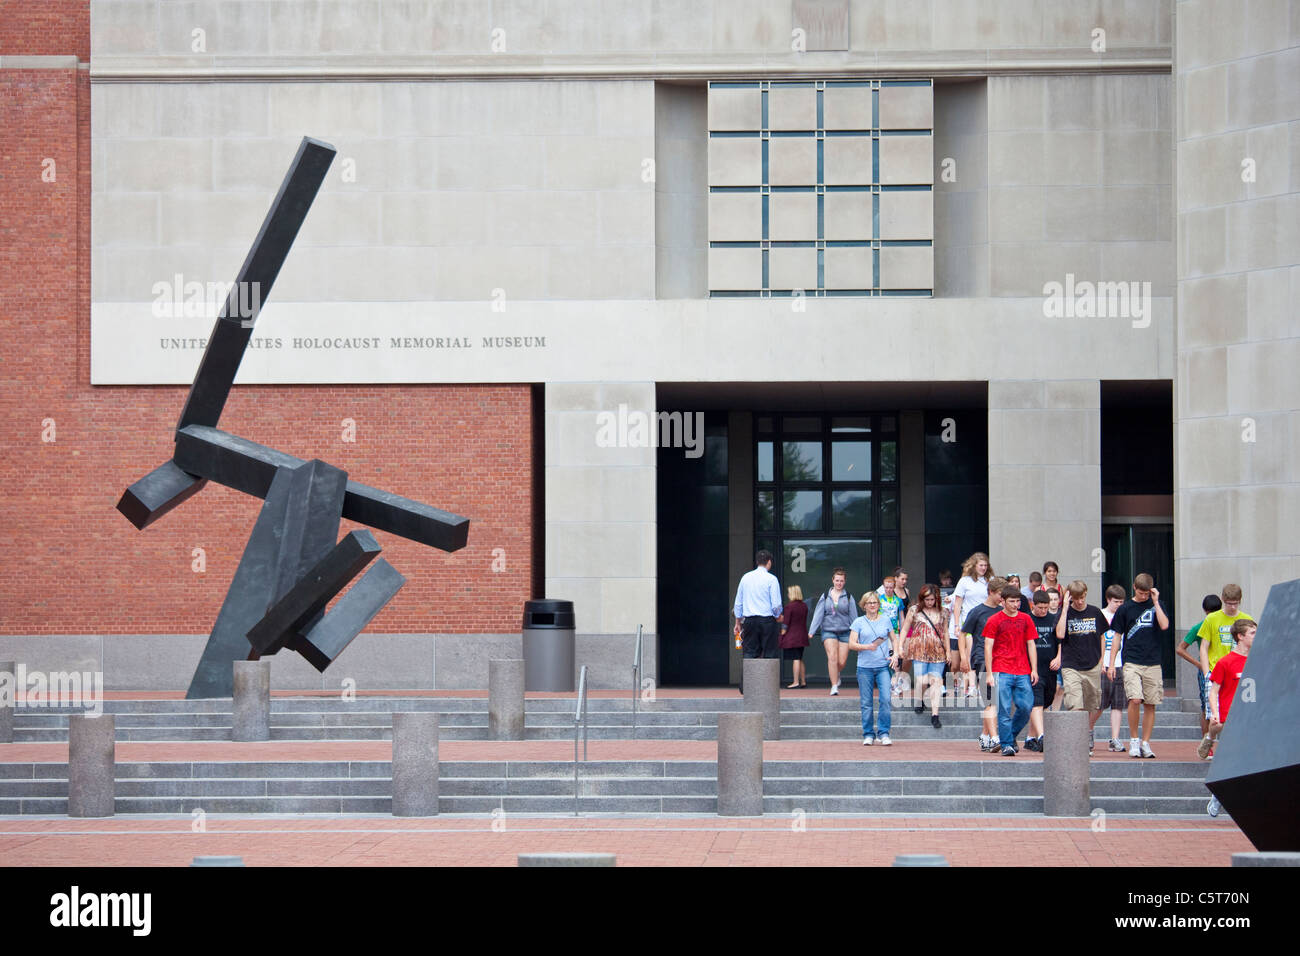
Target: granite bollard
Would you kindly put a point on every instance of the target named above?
(740, 765)
(567, 859)
(762, 683)
(8, 702)
(91, 761)
(506, 699)
(415, 765)
(251, 709)
(1266, 858)
(921, 859)
(1066, 783)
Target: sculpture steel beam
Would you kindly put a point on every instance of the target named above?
(294, 563)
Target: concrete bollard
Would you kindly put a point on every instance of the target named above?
(920, 859)
(1066, 782)
(218, 861)
(91, 761)
(415, 765)
(251, 709)
(762, 683)
(566, 859)
(740, 765)
(1266, 858)
(8, 701)
(505, 700)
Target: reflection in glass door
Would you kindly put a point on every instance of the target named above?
(826, 496)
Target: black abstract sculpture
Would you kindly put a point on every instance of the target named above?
(294, 563)
(1256, 771)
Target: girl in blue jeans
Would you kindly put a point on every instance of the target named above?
(873, 638)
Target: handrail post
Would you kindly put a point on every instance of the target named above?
(579, 715)
(636, 678)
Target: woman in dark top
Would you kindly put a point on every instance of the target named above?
(794, 634)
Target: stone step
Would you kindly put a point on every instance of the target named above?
(962, 805)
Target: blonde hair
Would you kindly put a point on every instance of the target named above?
(794, 592)
(968, 566)
(869, 596)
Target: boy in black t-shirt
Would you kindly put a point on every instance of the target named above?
(1081, 628)
(1048, 649)
(1140, 626)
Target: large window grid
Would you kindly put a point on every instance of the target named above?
(851, 194)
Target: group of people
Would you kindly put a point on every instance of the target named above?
(1037, 646)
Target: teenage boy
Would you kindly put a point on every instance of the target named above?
(1013, 666)
(1112, 690)
(1141, 627)
(1048, 651)
(1216, 629)
(1223, 688)
(1035, 585)
(1081, 629)
(972, 630)
(1209, 604)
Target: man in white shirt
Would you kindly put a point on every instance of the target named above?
(758, 610)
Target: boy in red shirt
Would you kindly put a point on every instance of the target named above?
(1009, 638)
(1223, 688)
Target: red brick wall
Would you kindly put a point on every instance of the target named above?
(69, 562)
(45, 28)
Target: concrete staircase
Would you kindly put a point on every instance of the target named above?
(465, 718)
(989, 785)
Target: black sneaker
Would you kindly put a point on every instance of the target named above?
(1031, 744)
(919, 708)
(934, 719)
(1008, 750)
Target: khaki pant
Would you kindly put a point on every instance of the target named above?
(1082, 688)
(1144, 682)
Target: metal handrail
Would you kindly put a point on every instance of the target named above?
(636, 678)
(579, 718)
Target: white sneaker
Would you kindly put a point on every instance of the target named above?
(1146, 749)
(1214, 807)
(835, 692)
(868, 741)
(1133, 750)
(885, 741)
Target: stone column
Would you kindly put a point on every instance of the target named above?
(415, 765)
(1045, 496)
(91, 761)
(1066, 764)
(740, 765)
(7, 703)
(506, 699)
(601, 529)
(251, 707)
(763, 693)
(567, 859)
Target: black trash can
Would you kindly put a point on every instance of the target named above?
(548, 645)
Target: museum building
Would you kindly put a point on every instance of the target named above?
(640, 287)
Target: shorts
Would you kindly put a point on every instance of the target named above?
(1082, 688)
(952, 644)
(1113, 696)
(977, 659)
(841, 636)
(921, 668)
(1045, 689)
(792, 653)
(1204, 683)
(1144, 682)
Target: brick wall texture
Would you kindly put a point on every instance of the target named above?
(70, 563)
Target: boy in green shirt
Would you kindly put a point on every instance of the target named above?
(1209, 605)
